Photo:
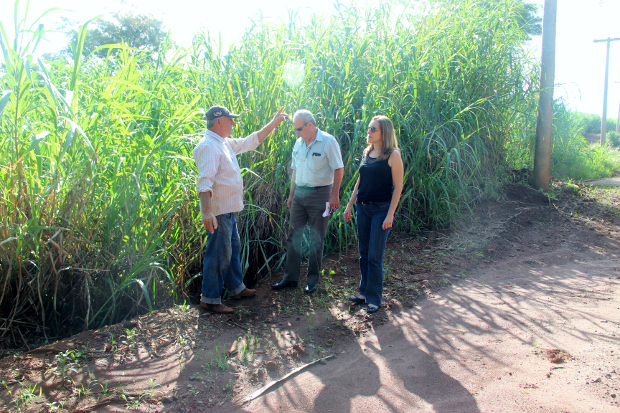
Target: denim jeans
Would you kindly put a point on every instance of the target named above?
(371, 240)
(222, 267)
(307, 209)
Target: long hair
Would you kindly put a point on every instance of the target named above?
(390, 143)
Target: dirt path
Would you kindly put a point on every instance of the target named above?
(487, 344)
(516, 311)
(612, 182)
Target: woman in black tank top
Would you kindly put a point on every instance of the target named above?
(376, 194)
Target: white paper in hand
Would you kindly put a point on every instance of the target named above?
(326, 213)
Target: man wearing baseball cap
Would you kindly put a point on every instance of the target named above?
(220, 188)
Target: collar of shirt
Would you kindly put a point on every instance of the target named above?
(214, 135)
(319, 137)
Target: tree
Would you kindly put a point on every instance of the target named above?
(544, 126)
(140, 31)
(528, 19)
(525, 14)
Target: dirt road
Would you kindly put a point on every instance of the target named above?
(516, 311)
(535, 335)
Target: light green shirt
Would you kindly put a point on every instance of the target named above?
(315, 164)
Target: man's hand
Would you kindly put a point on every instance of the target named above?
(334, 201)
(291, 193)
(210, 223)
(208, 219)
(275, 122)
(279, 117)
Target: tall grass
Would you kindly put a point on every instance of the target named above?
(589, 123)
(572, 157)
(99, 212)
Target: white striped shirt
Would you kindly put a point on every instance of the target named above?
(219, 172)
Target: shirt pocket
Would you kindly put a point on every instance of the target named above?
(317, 162)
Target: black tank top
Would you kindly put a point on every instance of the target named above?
(375, 181)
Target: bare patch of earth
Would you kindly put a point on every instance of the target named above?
(609, 182)
(592, 137)
(515, 310)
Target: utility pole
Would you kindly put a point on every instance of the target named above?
(541, 176)
(604, 118)
(618, 120)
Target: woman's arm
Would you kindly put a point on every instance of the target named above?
(347, 211)
(398, 171)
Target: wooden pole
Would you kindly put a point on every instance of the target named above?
(541, 176)
(604, 117)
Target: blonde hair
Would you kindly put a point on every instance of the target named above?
(390, 143)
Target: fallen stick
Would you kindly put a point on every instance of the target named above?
(242, 327)
(258, 392)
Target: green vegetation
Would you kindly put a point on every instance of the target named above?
(589, 123)
(65, 363)
(99, 217)
(613, 137)
(572, 156)
(139, 31)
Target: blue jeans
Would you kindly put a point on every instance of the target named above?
(222, 266)
(371, 240)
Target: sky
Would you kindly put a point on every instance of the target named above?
(580, 63)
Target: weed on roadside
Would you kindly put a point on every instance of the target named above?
(65, 363)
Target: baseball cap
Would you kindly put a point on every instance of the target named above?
(215, 112)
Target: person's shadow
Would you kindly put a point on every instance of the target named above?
(356, 374)
(391, 375)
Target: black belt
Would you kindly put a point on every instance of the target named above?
(372, 202)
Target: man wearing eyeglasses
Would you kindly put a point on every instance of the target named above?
(314, 194)
(220, 188)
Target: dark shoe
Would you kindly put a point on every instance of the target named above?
(372, 308)
(357, 300)
(284, 284)
(310, 288)
(245, 293)
(217, 308)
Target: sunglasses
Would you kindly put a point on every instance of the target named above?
(372, 129)
(300, 129)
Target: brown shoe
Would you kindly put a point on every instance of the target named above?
(217, 308)
(245, 293)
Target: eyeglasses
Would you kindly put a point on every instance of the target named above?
(300, 129)
(372, 129)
